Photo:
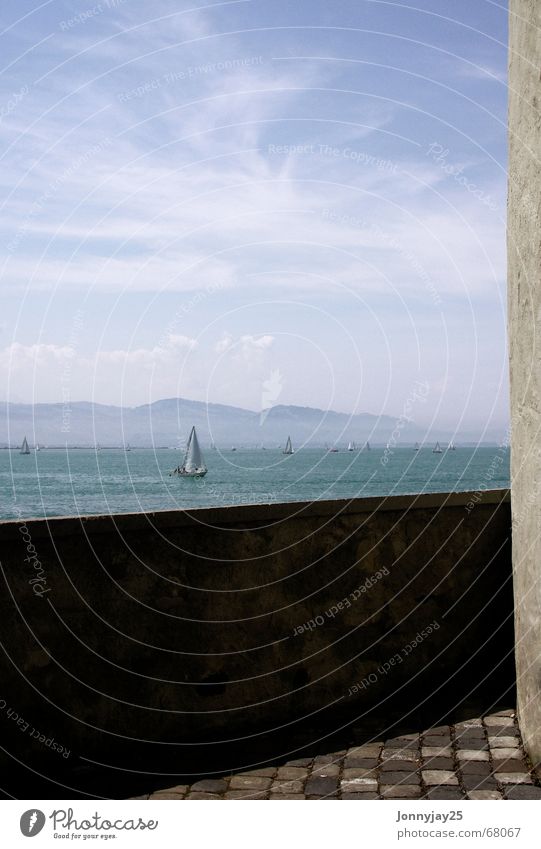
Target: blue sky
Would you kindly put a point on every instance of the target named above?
(196, 197)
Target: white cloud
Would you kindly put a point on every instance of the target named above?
(246, 347)
(169, 351)
(51, 372)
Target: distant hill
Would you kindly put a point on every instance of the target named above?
(167, 423)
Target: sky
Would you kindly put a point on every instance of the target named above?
(256, 202)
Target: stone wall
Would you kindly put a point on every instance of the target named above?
(125, 637)
(524, 281)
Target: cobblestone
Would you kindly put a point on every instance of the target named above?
(510, 765)
(326, 770)
(503, 742)
(439, 776)
(436, 752)
(484, 794)
(287, 787)
(163, 794)
(398, 766)
(508, 753)
(177, 790)
(513, 778)
(360, 763)
(321, 786)
(203, 796)
(523, 792)
(249, 782)
(475, 767)
(209, 785)
(472, 755)
(399, 755)
(360, 796)
(449, 793)
(243, 794)
(355, 785)
(282, 796)
(292, 772)
(481, 758)
(401, 791)
(359, 773)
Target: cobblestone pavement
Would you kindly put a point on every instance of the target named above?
(475, 759)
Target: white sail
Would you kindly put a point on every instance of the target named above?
(193, 465)
(289, 448)
(416, 447)
(437, 449)
(25, 447)
(351, 446)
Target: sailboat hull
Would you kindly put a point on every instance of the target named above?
(197, 473)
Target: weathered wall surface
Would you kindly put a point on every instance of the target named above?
(122, 634)
(524, 281)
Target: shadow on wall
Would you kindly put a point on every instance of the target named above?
(211, 641)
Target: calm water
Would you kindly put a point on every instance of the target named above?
(59, 482)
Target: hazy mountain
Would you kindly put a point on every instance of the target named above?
(167, 422)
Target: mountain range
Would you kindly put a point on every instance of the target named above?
(168, 422)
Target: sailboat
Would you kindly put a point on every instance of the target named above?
(128, 447)
(368, 446)
(437, 449)
(351, 446)
(193, 465)
(416, 446)
(37, 448)
(289, 448)
(451, 447)
(25, 449)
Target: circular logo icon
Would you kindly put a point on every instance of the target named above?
(32, 822)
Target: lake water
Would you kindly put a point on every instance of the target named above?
(67, 482)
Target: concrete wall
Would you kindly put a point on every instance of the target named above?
(123, 636)
(524, 279)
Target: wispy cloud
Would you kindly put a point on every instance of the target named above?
(161, 151)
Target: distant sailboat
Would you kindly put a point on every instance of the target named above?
(128, 447)
(351, 446)
(25, 448)
(451, 447)
(289, 448)
(416, 446)
(233, 448)
(37, 448)
(368, 446)
(437, 449)
(193, 465)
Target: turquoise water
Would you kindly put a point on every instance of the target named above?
(60, 482)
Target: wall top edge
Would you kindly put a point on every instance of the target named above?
(249, 513)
